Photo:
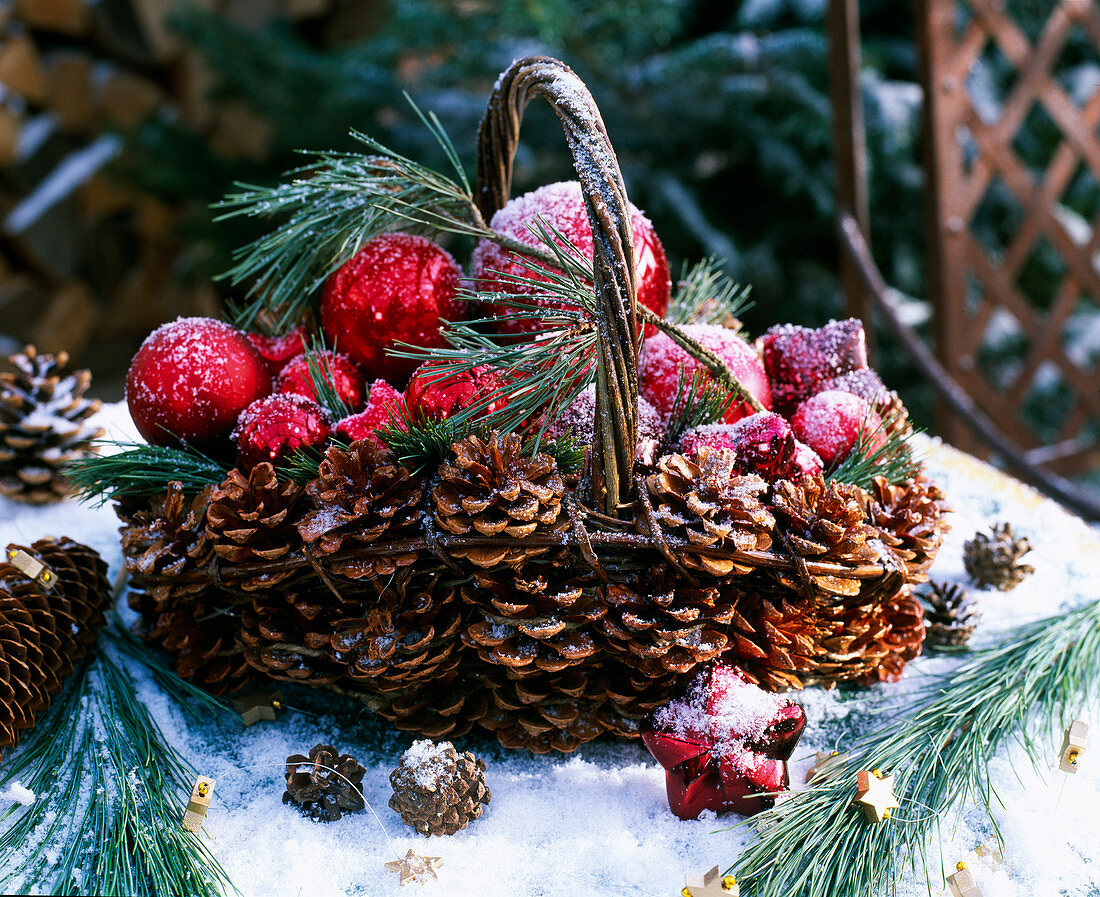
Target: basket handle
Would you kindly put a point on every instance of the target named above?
(608, 212)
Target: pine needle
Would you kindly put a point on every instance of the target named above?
(304, 462)
(110, 793)
(894, 459)
(322, 377)
(707, 295)
(139, 470)
(698, 402)
(814, 844)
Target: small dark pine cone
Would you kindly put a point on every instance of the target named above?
(324, 785)
(993, 559)
(950, 614)
(43, 426)
(436, 789)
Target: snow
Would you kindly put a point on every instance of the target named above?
(597, 821)
(18, 793)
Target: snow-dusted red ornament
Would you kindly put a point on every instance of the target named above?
(561, 206)
(435, 392)
(658, 378)
(832, 421)
(763, 443)
(801, 360)
(395, 289)
(191, 379)
(342, 374)
(385, 407)
(278, 350)
(724, 745)
(272, 429)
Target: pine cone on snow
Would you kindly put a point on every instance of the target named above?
(950, 614)
(707, 504)
(324, 785)
(438, 791)
(42, 426)
(993, 559)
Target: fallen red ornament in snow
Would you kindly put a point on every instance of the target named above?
(385, 407)
(435, 392)
(561, 206)
(831, 423)
(341, 373)
(191, 379)
(763, 443)
(659, 377)
(724, 745)
(278, 350)
(395, 289)
(272, 429)
(800, 360)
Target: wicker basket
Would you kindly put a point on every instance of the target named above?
(579, 627)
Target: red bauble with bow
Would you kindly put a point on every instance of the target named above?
(724, 745)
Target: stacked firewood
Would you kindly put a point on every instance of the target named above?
(89, 264)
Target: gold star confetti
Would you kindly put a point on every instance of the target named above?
(415, 867)
(875, 795)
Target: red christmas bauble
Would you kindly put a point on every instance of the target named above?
(764, 445)
(191, 379)
(659, 375)
(434, 393)
(395, 289)
(278, 350)
(832, 421)
(342, 374)
(801, 360)
(385, 407)
(562, 207)
(272, 429)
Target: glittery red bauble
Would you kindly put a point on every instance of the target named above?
(658, 378)
(763, 443)
(724, 746)
(191, 379)
(801, 360)
(278, 350)
(340, 372)
(395, 289)
(434, 393)
(562, 207)
(385, 407)
(272, 429)
(832, 421)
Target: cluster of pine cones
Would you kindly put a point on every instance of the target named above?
(486, 595)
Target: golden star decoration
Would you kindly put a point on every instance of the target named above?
(875, 795)
(415, 867)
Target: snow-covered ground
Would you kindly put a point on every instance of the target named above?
(597, 821)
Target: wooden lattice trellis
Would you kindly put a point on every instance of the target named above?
(1000, 210)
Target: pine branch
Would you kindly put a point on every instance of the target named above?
(893, 460)
(304, 462)
(814, 844)
(322, 376)
(421, 445)
(140, 470)
(110, 794)
(707, 295)
(698, 402)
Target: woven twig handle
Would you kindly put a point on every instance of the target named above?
(608, 212)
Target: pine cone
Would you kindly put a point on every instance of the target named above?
(324, 785)
(360, 495)
(912, 516)
(492, 488)
(662, 630)
(437, 790)
(782, 644)
(167, 537)
(950, 614)
(42, 429)
(705, 503)
(45, 632)
(993, 559)
(449, 706)
(824, 522)
(249, 521)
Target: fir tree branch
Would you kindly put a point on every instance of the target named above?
(698, 402)
(892, 459)
(140, 470)
(707, 295)
(814, 844)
